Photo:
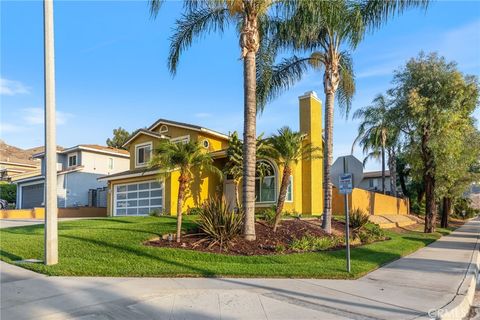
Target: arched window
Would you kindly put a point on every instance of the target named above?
(265, 182)
(163, 129)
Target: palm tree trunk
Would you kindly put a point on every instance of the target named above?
(327, 163)
(249, 146)
(383, 169)
(182, 185)
(249, 43)
(282, 195)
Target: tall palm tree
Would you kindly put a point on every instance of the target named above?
(377, 134)
(205, 16)
(287, 148)
(183, 157)
(329, 29)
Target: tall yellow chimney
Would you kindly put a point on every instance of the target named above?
(312, 170)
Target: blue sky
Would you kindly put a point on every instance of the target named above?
(111, 70)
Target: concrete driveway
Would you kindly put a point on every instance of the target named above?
(8, 223)
(437, 277)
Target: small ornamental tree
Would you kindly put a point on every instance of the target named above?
(183, 157)
(287, 148)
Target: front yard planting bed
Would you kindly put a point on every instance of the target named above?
(267, 242)
(116, 247)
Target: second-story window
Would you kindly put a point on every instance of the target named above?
(72, 160)
(110, 163)
(142, 154)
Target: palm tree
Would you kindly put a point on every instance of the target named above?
(234, 166)
(205, 16)
(327, 28)
(183, 157)
(287, 148)
(377, 133)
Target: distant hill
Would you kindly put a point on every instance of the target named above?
(9, 153)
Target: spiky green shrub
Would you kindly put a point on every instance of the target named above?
(311, 243)
(220, 223)
(358, 220)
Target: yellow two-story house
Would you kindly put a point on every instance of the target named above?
(142, 190)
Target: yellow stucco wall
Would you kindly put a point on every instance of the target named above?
(203, 186)
(39, 213)
(312, 170)
(370, 202)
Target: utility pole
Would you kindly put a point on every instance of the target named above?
(51, 233)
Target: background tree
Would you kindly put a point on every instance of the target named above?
(433, 100)
(457, 168)
(8, 191)
(328, 29)
(378, 133)
(205, 16)
(287, 148)
(120, 136)
(183, 157)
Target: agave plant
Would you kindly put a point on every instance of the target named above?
(219, 222)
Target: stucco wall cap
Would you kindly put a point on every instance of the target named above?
(309, 94)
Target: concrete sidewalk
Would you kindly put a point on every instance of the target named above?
(437, 277)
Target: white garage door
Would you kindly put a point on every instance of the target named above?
(136, 199)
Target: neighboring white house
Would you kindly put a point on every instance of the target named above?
(77, 171)
(372, 181)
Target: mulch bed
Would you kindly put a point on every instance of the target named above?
(266, 241)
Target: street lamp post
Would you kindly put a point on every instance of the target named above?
(51, 234)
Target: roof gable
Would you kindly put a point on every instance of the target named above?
(139, 132)
(160, 122)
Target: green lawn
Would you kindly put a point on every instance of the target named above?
(113, 247)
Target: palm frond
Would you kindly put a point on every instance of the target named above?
(376, 12)
(346, 87)
(155, 6)
(372, 155)
(275, 79)
(193, 24)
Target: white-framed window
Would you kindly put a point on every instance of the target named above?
(139, 198)
(373, 183)
(265, 187)
(163, 129)
(143, 152)
(72, 160)
(289, 195)
(110, 163)
(181, 139)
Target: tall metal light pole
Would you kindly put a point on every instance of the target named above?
(51, 233)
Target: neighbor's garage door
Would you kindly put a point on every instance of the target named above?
(32, 196)
(138, 198)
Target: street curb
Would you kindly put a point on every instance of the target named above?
(459, 307)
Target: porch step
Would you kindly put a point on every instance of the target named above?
(392, 221)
